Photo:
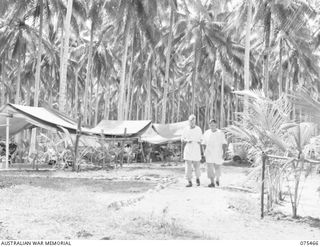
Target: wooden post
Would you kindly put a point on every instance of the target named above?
(122, 148)
(262, 183)
(78, 133)
(181, 150)
(7, 141)
(104, 149)
(143, 156)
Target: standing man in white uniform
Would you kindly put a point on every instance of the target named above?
(215, 150)
(192, 137)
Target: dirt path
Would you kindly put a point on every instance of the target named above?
(228, 213)
(142, 203)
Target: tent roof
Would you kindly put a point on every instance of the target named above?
(164, 133)
(115, 128)
(27, 116)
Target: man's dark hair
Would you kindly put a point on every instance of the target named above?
(212, 121)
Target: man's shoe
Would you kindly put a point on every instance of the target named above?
(198, 182)
(189, 184)
(211, 185)
(217, 182)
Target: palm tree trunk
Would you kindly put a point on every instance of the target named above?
(88, 78)
(287, 86)
(28, 96)
(123, 73)
(64, 60)
(37, 78)
(198, 113)
(90, 114)
(137, 104)
(222, 102)
(106, 104)
(76, 94)
(168, 60)
(156, 111)
(129, 82)
(229, 110)
(149, 97)
(17, 98)
(267, 27)
(131, 105)
(280, 67)
(194, 75)
(211, 98)
(216, 102)
(38, 68)
(206, 111)
(4, 79)
(247, 54)
(179, 103)
(96, 111)
(173, 99)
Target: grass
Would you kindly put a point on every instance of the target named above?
(152, 228)
(74, 207)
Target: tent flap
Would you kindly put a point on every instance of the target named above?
(164, 133)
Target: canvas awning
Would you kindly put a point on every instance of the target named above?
(164, 133)
(24, 117)
(116, 129)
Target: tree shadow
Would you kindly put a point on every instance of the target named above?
(311, 221)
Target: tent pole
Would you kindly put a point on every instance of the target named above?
(143, 156)
(75, 165)
(122, 148)
(264, 157)
(7, 142)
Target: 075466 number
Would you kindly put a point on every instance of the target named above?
(307, 243)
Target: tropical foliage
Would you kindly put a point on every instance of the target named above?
(153, 60)
(266, 129)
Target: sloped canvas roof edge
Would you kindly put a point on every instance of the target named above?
(164, 133)
(116, 128)
(38, 119)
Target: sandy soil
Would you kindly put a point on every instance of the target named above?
(140, 202)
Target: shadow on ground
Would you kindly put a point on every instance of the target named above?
(311, 221)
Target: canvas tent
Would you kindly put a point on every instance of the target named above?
(164, 133)
(24, 117)
(120, 129)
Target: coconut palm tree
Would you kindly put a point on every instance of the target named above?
(79, 8)
(266, 128)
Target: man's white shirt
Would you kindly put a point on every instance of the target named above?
(192, 150)
(214, 146)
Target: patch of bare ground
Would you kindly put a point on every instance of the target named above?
(141, 202)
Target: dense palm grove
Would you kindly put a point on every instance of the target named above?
(158, 60)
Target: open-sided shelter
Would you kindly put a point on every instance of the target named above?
(24, 117)
(121, 129)
(164, 133)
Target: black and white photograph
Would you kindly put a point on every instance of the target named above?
(159, 120)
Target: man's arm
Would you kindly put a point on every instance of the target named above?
(224, 145)
(224, 148)
(203, 144)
